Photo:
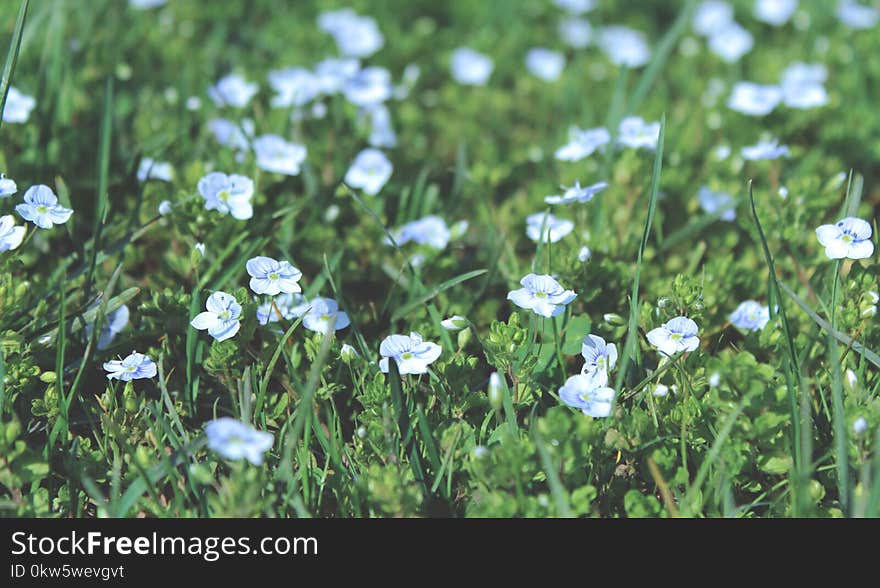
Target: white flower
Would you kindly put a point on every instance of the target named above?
(774, 12)
(8, 187)
(576, 32)
(289, 306)
(274, 154)
(221, 318)
(582, 392)
(269, 276)
(584, 254)
(714, 380)
(848, 238)
(576, 193)
(228, 194)
(717, 202)
(636, 133)
(369, 172)
(582, 143)
(802, 85)
(430, 230)
(145, 4)
(347, 352)
(624, 46)
(546, 227)
(661, 390)
(731, 42)
(150, 169)
(236, 440)
(294, 86)
(455, 323)
(712, 16)
(41, 207)
(165, 207)
(471, 67)
(678, 334)
(200, 247)
(542, 295)
(411, 354)
(369, 87)
(765, 150)
(545, 64)
(323, 311)
(599, 357)
(18, 106)
(11, 236)
(233, 90)
(754, 99)
(750, 315)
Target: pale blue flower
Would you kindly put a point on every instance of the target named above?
(584, 254)
(146, 4)
(321, 313)
(368, 87)
(471, 67)
(712, 16)
(583, 393)
(430, 230)
(678, 334)
(624, 46)
(750, 315)
(575, 32)
(8, 187)
(856, 15)
(717, 202)
(294, 86)
(41, 207)
(582, 143)
(543, 226)
(545, 63)
(774, 12)
(134, 367)
(542, 295)
(455, 323)
(860, 426)
(381, 130)
(802, 85)
(765, 150)
(369, 172)
(221, 318)
(848, 238)
(269, 276)
(411, 353)
(276, 155)
(114, 323)
(150, 169)
(636, 133)
(18, 106)
(332, 73)
(599, 357)
(165, 208)
(731, 42)
(347, 352)
(576, 193)
(355, 35)
(236, 440)
(754, 99)
(576, 6)
(228, 194)
(230, 134)
(290, 306)
(233, 90)
(11, 236)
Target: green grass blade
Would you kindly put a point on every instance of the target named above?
(629, 348)
(12, 56)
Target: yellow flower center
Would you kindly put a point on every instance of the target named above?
(42, 208)
(223, 195)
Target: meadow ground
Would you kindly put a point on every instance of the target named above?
(504, 258)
